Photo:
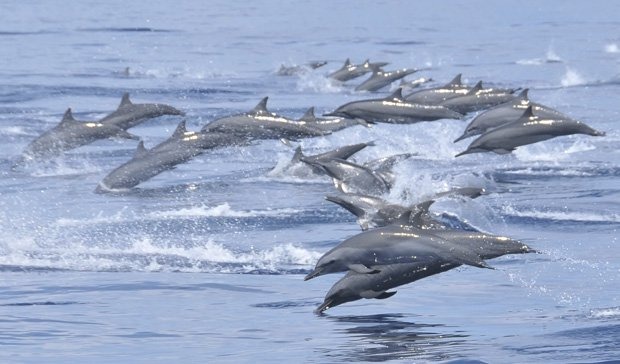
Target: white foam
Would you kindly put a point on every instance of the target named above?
(311, 81)
(145, 255)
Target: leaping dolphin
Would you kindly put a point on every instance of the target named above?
(391, 244)
(478, 98)
(435, 95)
(179, 148)
(506, 113)
(329, 124)
(355, 286)
(128, 114)
(352, 177)
(394, 109)
(260, 123)
(380, 78)
(528, 129)
(350, 71)
(70, 134)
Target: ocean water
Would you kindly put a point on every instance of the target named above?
(205, 263)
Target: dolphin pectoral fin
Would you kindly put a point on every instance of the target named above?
(503, 151)
(360, 268)
(385, 295)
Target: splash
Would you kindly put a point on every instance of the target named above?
(222, 210)
(612, 48)
(318, 83)
(572, 78)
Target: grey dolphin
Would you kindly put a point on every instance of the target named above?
(299, 69)
(435, 95)
(391, 244)
(349, 71)
(311, 163)
(355, 286)
(329, 124)
(478, 98)
(351, 177)
(394, 109)
(374, 211)
(70, 134)
(128, 114)
(415, 83)
(384, 166)
(506, 113)
(260, 123)
(179, 148)
(527, 129)
(380, 78)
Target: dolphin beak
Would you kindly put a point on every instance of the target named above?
(468, 151)
(323, 307)
(464, 136)
(314, 273)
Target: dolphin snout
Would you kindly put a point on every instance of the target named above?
(315, 273)
(464, 136)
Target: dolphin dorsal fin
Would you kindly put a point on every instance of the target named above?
(180, 130)
(67, 117)
(261, 107)
(456, 81)
(415, 218)
(140, 150)
(474, 90)
(347, 62)
(298, 155)
(528, 113)
(396, 96)
(125, 100)
(309, 115)
(523, 94)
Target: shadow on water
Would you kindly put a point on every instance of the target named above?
(383, 337)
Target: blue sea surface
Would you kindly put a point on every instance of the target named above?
(205, 263)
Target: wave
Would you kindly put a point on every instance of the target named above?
(221, 210)
(143, 255)
(561, 215)
(605, 313)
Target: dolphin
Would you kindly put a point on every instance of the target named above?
(478, 98)
(435, 95)
(415, 83)
(394, 109)
(311, 163)
(70, 134)
(350, 71)
(506, 113)
(260, 123)
(391, 244)
(355, 286)
(329, 124)
(179, 148)
(374, 211)
(351, 177)
(299, 69)
(384, 166)
(128, 114)
(528, 129)
(381, 78)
